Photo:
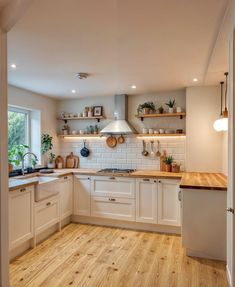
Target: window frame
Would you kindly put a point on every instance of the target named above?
(28, 121)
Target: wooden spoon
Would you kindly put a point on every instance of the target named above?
(158, 154)
(144, 152)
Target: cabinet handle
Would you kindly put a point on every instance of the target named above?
(146, 179)
(112, 199)
(22, 189)
(65, 177)
(48, 204)
(88, 178)
(179, 196)
(154, 181)
(112, 177)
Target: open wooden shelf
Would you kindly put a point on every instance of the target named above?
(164, 115)
(98, 118)
(161, 135)
(81, 136)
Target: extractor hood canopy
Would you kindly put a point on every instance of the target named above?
(120, 124)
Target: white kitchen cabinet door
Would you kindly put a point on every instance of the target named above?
(113, 208)
(168, 203)
(82, 195)
(66, 196)
(112, 186)
(20, 216)
(146, 200)
(46, 213)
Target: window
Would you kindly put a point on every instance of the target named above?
(18, 127)
(24, 127)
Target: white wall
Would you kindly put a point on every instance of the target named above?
(203, 143)
(47, 107)
(225, 153)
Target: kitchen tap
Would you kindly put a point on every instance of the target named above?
(22, 162)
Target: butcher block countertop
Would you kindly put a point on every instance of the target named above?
(199, 180)
(189, 180)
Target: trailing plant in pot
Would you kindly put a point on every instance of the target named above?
(46, 145)
(168, 162)
(51, 160)
(171, 105)
(146, 108)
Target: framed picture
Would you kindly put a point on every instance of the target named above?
(98, 111)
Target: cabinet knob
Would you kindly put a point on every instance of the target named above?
(146, 179)
(65, 177)
(159, 181)
(154, 181)
(112, 199)
(22, 189)
(230, 209)
(88, 178)
(48, 203)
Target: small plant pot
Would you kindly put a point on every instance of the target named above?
(168, 167)
(171, 110)
(146, 111)
(51, 165)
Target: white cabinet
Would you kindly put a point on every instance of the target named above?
(146, 200)
(113, 197)
(168, 203)
(20, 215)
(66, 196)
(112, 186)
(82, 195)
(46, 213)
(113, 208)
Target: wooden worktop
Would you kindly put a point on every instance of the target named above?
(21, 183)
(189, 180)
(201, 180)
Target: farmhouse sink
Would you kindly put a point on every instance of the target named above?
(46, 187)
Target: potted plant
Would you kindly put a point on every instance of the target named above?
(146, 108)
(168, 162)
(161, 110)
(46, 145)
(15, 155)
(51, 160)
(171, 105)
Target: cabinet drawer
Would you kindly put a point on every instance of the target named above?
(47, 213)
(114, 208)
(113, 186)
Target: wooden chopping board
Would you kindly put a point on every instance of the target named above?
(59, 159)
(70, 161)
(162, 164)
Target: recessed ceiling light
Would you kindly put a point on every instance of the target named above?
(13, 66)
(195, 79)
(73, 91)
(133, 87)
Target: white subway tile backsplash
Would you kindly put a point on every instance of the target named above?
(127, 155)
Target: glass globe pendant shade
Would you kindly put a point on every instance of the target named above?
(221, 124)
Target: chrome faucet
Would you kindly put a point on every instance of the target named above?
(22, 161)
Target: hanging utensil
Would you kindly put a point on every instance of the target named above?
(121, 139)
(152, 153)
(144, 152)
(84, 151)
(158, 154)
(111, 141)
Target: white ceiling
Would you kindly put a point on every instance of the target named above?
(4, 3)
(154, 44)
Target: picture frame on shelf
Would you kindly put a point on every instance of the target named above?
(97, 111)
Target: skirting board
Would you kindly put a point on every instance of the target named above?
(228, 276)
(196, 253)
(127, 224)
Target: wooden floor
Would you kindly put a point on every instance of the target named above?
(86, 255)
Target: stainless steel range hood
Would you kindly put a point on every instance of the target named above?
(120, 125)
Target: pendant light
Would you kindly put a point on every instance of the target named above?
(221, 124)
